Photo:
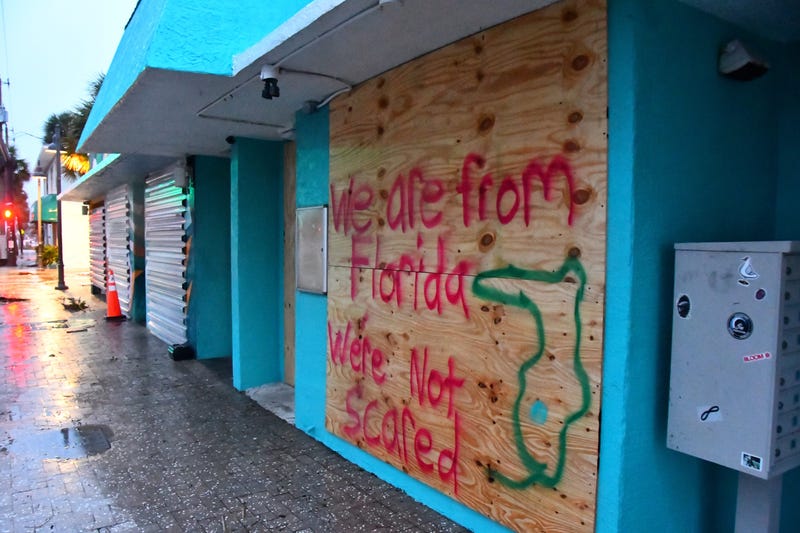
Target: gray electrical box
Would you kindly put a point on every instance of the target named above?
(735, 375)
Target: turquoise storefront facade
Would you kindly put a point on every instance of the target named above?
(692, 156)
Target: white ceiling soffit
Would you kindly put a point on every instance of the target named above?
(777, 20)
(124, 168)
(360, 39)
(174, 113)
(158, 116)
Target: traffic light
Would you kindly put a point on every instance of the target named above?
(8, 213)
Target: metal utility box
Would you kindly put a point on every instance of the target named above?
(735, 375)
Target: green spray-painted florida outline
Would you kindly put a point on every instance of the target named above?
(536, 468)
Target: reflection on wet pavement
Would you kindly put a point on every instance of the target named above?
(64, 443)
(101, 431)
(37, 326)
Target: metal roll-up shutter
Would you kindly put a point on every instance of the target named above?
(165, 258)
(118, 243)
(97, 248)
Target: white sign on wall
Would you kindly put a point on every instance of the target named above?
(312, 249)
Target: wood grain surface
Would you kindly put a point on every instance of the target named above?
(289, 248)
(467, 267)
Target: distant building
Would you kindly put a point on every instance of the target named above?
(75, 224)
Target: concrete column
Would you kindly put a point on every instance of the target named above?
(138, 298)
(312, 133)
(209, 262)
(256, 262)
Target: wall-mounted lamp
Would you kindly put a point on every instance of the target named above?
(269, 75)
(738, 63)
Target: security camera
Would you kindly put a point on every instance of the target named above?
(269, 72)
(269, 75)
(739, 63)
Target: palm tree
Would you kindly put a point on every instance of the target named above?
(85, 107)
(72, 124)
(73, 162)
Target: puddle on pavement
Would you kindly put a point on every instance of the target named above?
(65, 443)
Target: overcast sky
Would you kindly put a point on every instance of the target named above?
(50, 51)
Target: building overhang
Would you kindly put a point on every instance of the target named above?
(46, 157)
(49, 209)
(326, 47)
(113, 171)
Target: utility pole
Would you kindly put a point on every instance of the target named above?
(8, 169)
(57, 140)
(4, 114)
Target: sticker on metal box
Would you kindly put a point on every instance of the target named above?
(746, 271)
(763, 356)
(753, 462)
(709, 413)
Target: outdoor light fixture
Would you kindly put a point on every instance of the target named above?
(269, 75)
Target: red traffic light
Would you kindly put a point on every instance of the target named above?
(8, 213)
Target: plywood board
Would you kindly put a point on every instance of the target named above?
(289, 205)
(467, 267)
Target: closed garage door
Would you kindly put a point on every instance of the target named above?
(118, 243)
(165, 209)
(97, 249)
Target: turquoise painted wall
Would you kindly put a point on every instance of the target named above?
(204, 36)
(312, 134)
(209, 314)
(189, 36)
(138, 312)
(256, 230)
(786, 67)
(619, 258)
(693, 157)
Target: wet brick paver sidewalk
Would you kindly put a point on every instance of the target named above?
(187, 451)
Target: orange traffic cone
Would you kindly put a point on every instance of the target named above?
(112, 299)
